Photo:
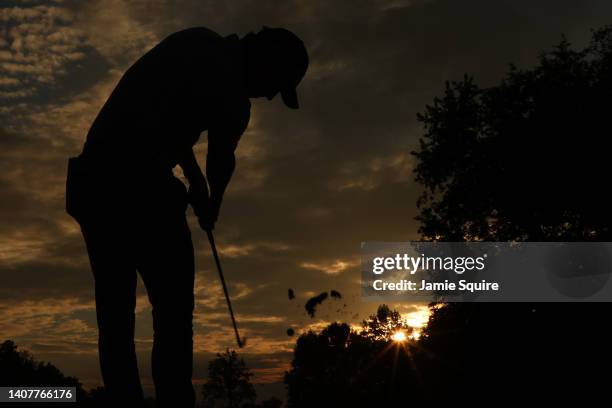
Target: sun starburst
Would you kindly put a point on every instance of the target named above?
(399, 336)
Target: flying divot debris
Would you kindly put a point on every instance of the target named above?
(335, 294)
(311, 305)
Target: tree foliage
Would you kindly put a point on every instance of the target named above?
(229, 382)
(384, 324)
(18, 368)
(522, 160)
(341, 367)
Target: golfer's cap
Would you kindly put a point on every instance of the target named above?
(294, 61)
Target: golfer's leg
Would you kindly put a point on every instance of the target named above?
(115, 291)
(167, 269)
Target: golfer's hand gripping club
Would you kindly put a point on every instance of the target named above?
(205, 207)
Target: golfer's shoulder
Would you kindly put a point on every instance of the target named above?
(193, 46)
(199, 36)
(205, 51)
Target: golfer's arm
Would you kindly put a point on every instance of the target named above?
(220, 165)
(223, 138)
(192, 170)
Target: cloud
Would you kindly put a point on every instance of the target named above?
(37, 46)
(237, 250)
(128, 38)
(396, 168)
(51, 323)
(417, 318)
(330, 267)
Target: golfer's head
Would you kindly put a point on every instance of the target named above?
(277, 62)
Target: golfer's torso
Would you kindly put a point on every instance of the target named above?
(180, 88)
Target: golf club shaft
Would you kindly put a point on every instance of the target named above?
(211, 239)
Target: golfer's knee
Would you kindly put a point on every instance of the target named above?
(113, 320)
(117, 342)
(174, 322)
(116, 331)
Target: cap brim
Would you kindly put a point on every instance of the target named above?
(290, 98)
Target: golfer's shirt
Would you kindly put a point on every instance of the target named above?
(190, 82)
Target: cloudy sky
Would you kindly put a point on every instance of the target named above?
(310, 185)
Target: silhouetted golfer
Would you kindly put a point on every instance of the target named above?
(131, 208)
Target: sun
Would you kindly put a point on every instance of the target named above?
(399, 336)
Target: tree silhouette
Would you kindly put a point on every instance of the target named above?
(384, 324)
(272, 402)
(228, 383)
(524, 160)
(19, 369)
(341, 367)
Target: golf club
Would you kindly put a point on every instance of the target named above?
(211, 239)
